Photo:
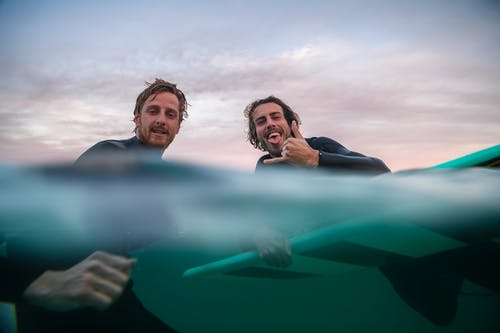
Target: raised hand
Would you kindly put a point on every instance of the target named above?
(296, 151)
(273, 247)
(96, 282)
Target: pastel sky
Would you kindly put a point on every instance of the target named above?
(414, 83)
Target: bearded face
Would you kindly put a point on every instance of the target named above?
(159, 120)
(271, 127)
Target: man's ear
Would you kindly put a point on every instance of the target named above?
(137, 118)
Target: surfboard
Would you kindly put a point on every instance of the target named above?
(489, 157)
(350, 237)
(347, 262)
(346, 246)
(375, 236)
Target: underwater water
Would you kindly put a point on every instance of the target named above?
(415, 251)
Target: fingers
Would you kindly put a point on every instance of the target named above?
(108, 272)
(276, 257)
(275, 250)
(95, 282)
(102, 293)
(106, 287)
(117, 262)
(98, 280)
(275, 160)
(96, 300)
(295, 130)
(291, 145)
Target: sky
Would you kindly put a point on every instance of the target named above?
(415, 83)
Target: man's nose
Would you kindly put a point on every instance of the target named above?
(270, 123)
(160, 119)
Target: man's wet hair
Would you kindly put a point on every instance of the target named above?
(160, 86)
(289, 114)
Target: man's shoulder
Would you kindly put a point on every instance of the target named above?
(114, 144)
(320, 139)
(103, 149)
(260, 161)
(263, 158)
(321, 142)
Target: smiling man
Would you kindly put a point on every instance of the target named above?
(159, 117)
(273, 127)
(94, 294)
(158, 114)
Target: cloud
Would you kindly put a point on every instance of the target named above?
(359, 78)
(356, 99)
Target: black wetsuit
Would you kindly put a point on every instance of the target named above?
(333, 156)
(430, 284)
(127, 314)
(16, 277)
(132, 147)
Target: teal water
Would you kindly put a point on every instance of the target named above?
(173, 217)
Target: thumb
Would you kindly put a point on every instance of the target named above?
(295, 130)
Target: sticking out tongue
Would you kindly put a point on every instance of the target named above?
(274, 138)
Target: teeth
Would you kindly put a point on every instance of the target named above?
(272, 135)
(159, 131)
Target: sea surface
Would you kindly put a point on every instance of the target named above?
(370, 253)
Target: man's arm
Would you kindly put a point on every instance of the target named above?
(96, 282)
(271, 246)
(324, 153)
(332, 155)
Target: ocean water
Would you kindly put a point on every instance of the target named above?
(370, 254)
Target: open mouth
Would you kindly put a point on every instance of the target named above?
(274, 138)
(159, 131)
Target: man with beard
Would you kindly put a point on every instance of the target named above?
(273, 127)
(158, 114)
(429, 285)
(95, 294)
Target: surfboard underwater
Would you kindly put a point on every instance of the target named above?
(378, 231)
(414, 251)
(402, 248)
(366, 251)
